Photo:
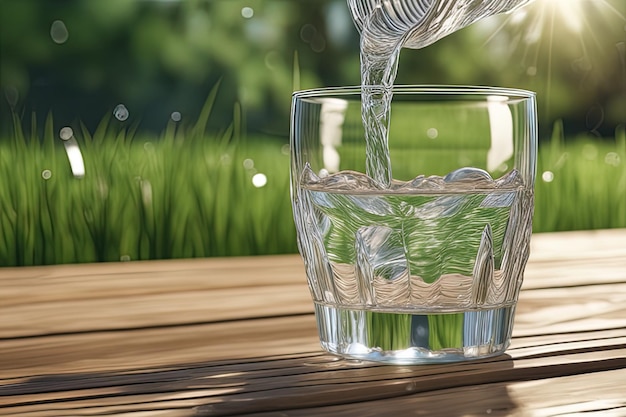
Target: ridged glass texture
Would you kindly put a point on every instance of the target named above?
(429, 267)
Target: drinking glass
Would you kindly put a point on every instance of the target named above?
(428, 268)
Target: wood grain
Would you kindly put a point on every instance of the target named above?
(236, 336)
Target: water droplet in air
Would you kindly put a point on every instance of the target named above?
(120, 112)
(66, 133)
(176, 116)
(259, 180)
(58, 32)
(46, 174)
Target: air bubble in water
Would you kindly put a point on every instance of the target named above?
(46, 174)
(176, 116)
(120, 112)
(468, 174)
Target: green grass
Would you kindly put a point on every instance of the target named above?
(187, 193)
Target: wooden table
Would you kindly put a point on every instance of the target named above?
(236, 336)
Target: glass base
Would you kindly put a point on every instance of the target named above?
(404, 338)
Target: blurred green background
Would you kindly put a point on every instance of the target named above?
(73, 62)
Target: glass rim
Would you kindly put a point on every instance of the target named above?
(420, 89)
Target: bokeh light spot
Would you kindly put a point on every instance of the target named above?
(432, 133)
(248, 163)
(66, 133)
(58, 32)
(259, 180)
(547, 176)
(247, 12)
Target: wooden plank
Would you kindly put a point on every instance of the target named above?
(75, 298)
(541, 311)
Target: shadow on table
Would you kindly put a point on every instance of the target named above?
(301, 385)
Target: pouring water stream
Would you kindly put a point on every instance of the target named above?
(387, 26)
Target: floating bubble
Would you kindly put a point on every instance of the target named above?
(120, 112)
(247, 12)
(46, 174)
(259, 180)
(66, 133)
(58, 32)
(176, 116)
(547, 176)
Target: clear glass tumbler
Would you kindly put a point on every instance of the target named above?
(428, 268)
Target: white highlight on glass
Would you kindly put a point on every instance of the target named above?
(501, 129)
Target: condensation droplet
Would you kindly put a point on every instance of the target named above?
(120, 112)
(259, 180)
(58, 32)
(176, 116)
(547, 176)
(46, 174)
(66, 133)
